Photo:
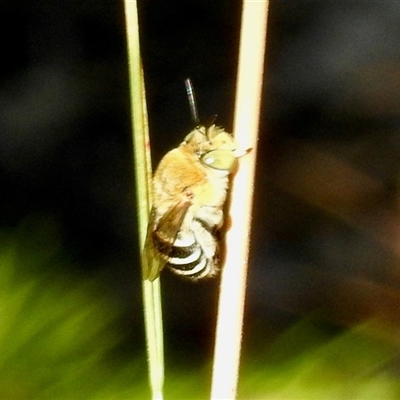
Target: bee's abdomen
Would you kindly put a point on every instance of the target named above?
(192, 255)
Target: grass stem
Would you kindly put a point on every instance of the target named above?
(142, 157)
(233, 280)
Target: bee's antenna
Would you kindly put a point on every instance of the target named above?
(192, 101)
(211, 121)
(209, 124)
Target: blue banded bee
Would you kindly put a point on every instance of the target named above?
(189, 191)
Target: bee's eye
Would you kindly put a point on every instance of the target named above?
(219, 159)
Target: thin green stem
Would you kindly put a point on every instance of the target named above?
(142, 160)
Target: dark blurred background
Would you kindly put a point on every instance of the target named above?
(326, 237)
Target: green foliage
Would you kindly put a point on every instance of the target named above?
(307, 363)
(60, 338)
(58, 331)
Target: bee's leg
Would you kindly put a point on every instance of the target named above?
(211, 217)
(209, 246)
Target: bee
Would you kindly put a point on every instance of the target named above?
(189, 190)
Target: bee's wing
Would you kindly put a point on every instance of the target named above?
(166, 229)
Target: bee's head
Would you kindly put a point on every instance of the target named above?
(214, 147)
